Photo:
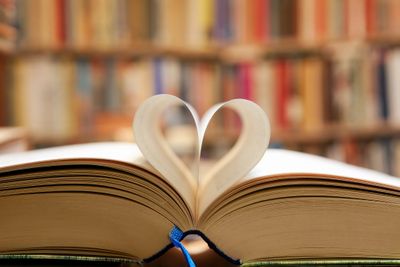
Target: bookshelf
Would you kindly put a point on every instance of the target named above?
(321, 69)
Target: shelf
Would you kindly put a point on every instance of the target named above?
(232, 53)
(383, 40)
(229, 53)
(136, 50)
(284, 48)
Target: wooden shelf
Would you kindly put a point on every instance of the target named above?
(383, 40)
(229, 53)
(136, 50)
(242, 52)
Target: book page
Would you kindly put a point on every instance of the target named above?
(118, 151)
(281, 161)
(158, 152)
(123, 201)
(201, 188)
(196, 187)
(297, 205)
(242, 157)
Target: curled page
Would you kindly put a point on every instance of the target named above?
(154, 147)
(242, 157)
(238, 161)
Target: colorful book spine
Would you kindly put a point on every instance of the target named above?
(108, 24)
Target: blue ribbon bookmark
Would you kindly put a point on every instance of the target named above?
(176, 236)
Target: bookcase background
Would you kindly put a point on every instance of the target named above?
(326, 71)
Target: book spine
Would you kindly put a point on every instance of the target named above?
(282, 94)
(382, 86)
(158, 82)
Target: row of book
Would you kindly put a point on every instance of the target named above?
(290, 90)
(364, 87)
(104, 24)
(303, 20)
(360, 88)
(298, 93)
(78, 91)
(381, 154)
(59, 98)
(120, 23)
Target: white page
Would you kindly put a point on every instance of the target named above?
(281, 161)
(119, 151)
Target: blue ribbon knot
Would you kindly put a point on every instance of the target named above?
(176, 235)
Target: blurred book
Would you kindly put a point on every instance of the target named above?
(13, 139)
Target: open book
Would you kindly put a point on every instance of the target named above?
(121, 200)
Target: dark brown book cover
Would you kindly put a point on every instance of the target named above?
(139, 20)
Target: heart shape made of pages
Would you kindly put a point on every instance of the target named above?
(235, 164)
